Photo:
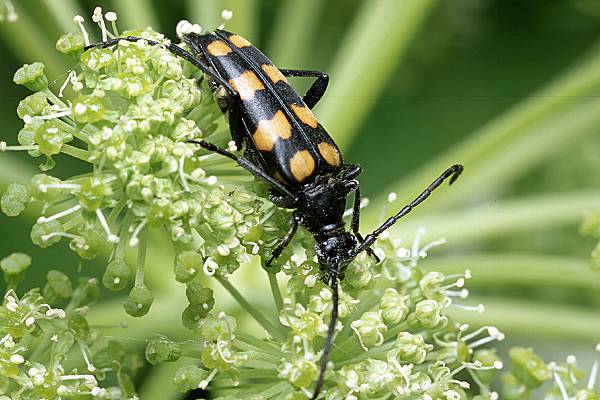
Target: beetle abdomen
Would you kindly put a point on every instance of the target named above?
(291, 143)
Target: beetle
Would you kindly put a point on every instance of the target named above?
(285, 145)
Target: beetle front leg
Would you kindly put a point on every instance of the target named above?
(356, 222)
(246, 164)
(295, 221)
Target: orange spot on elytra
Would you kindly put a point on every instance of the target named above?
(246, 85)
(302, 165)
(305, 115)
(268, 131)
(273, 73)
(218, 48)
(239, 41)
(329, 153)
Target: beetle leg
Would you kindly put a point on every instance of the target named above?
(334, 273)
(317, 89)
(453, 172)
(247, 165)
(356, 223)
(286, 240)
(178, 51)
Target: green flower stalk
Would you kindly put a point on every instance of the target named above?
(127, 112)
(47, 348)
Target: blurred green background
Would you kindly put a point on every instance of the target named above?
(509, 88)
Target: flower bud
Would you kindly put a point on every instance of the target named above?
(487, 358)
(40, 233)
(300, 373)
(187, 265)
(162, 350)
(58, 286)
(14, 267)
(15, 199)
(87, 108)
(193, 316)
(528, 367)
(199, 295)
(117, 275)
(139, 301)
(429, 314)
(188, 378)
(50, 137)
(430, 285)
(393, 307)
(369, 329)
(70, 43)
(32, 76)
(409, 348)
(215, 328)
(358, 274)
(32, 105)
(79, 326)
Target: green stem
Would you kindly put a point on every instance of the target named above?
(492, 220)
(136, 14)
(377, 41)
(75, 152)
(258, 344)
(375, 352)
(38, 46)
(292, 36)
(245, 18)
(141, 259)
(275, 291)
(206, 13)
(257, 315)
(489, 270)
(527, 319)
(63, 12)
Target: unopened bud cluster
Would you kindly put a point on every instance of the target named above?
(47, 348)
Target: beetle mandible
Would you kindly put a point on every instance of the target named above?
(284, 144)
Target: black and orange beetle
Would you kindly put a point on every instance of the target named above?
(284, 144)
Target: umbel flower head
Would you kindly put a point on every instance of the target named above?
(128, 111)
(47, 348)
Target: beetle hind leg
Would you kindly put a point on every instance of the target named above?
(317, 89)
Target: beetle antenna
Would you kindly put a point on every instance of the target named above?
(330, 333)
(452, 172)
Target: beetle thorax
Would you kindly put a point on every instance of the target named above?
(322, 205)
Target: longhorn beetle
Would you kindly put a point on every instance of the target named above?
(285, 145)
